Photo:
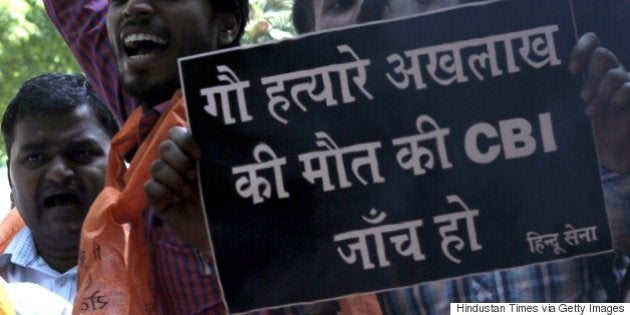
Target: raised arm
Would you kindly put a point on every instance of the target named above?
(81, 23)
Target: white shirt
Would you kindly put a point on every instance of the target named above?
(21, 263)
(33, 299)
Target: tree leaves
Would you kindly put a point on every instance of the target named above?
(30, 45)
(268, 20)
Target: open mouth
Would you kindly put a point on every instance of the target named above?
(141, 46)
(62, 201)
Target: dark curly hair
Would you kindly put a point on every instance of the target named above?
(53, 92)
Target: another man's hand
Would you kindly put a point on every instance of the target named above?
(606, 93)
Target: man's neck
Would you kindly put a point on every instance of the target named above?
(60, 264)
(157, 96)
(60, 260)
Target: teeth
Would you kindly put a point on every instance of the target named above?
(62, 201)
(139, 57)
(143, 37)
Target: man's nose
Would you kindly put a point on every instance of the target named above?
(136, 8)
(59, 170)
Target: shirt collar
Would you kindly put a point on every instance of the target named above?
(22, 248)
(163, 107)
(150, 117)
(23, 252)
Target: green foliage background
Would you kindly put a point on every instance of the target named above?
(30, 45)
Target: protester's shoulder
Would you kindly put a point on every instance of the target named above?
(10, 226)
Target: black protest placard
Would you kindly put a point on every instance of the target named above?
(395, 153)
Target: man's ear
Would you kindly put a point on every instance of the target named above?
(228, 26)
(10, 184)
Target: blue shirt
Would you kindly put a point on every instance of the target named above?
(585, 279)
(20, 262)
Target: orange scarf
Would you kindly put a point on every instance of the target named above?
(114, 262)
(9, 227)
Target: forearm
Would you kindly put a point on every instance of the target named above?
(82, 25)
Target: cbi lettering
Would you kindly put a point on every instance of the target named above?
(514, 138)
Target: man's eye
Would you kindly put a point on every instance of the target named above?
(339, 6)
(33, 159)
(83, 155)
(86, 156)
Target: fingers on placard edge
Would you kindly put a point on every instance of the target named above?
(182, 137)
(173, 156)
(583, 49)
